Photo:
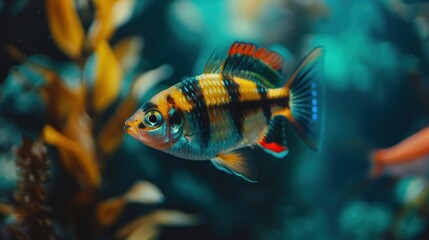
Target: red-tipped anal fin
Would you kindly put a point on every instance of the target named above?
(274, 148)
(274, 140)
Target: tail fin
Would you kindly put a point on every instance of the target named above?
(306, 99)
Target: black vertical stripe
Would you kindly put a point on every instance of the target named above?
(199, 113)
(266, 109)
(175, 114)
(171, 101)
(236, 112)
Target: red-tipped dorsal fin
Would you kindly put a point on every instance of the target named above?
(242, 48)
(270, 58)
(245, 60)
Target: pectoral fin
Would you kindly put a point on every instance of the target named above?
(233, 163)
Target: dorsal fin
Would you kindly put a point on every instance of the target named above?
(214, 63)
(270, 58)
(260, 65)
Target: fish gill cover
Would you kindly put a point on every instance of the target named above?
(72, 71)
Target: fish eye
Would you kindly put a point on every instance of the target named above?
(153, 118)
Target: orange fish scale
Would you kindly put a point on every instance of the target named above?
(248, 90)
(213, 90)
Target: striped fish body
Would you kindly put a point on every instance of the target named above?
(237, 102)
(223, 114)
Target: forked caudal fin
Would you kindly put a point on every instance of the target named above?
(306, 99)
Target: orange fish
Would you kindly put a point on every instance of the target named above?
(410, 151)
(238, 101)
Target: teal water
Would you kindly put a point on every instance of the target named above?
(376, 83)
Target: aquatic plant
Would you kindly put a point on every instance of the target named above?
(84, 114)
(59, 58)
(31, 212)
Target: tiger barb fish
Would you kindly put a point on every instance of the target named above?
(240, 100)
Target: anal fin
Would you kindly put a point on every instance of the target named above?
(233, 163)
(274, 141)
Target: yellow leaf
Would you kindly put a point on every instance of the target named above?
(61, 101)
(111, 135)
(103, 27)
(74, 158)
(145, 233)
(147, 226)
(110, 15)
(109, 210)
(149, 79)
(127, 52)
(65, 26)
(122, 11)
(108, 76)
(78, 127)
(143, 192)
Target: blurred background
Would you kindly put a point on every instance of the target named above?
(72, 71)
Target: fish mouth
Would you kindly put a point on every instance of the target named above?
(131, 128)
